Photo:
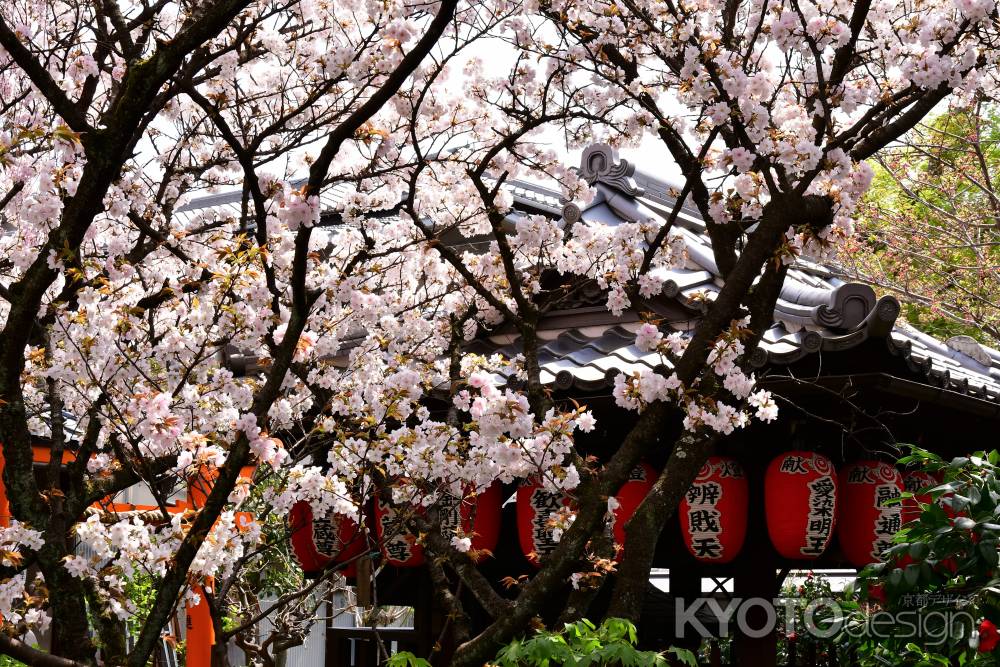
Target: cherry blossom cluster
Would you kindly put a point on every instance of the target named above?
(112, 552)
(703, 407)
(21, 613)
(768, 88)
(24, 615)
(424, 456)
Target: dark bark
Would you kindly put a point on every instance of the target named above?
(592, 500)
(491, 601)
(458, 620)
(779, 215)
(881, 137)
(220, 649)
(110, 630)
(32, 656)
(579, 601)
(107, 150)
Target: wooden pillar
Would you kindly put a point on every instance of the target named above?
(756, 577)
(200, 631)
(4, 503)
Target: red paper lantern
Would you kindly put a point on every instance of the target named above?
(629, 497)
(713, 512)
(320, 541)
(479, 516)
(800, 501)
(914, 481)
(534, 505)
(399, 546)
(867, 523)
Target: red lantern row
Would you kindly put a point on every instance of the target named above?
(479, 516)
(320, 541)
(803, 498)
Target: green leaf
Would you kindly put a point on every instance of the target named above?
(684, 655)
(406, 659)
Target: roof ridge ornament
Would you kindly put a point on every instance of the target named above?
(600, 164)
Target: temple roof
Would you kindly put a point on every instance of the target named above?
(818, 311)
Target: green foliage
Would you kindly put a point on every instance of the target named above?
(581, 644)
(276, 571)
(7, 661)
(813, 587)
(406, 659)
(926, 319)
(941, 575)
(141, 590)
(928, 227)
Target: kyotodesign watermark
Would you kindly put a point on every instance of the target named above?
(821, 618)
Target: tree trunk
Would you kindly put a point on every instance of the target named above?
(642, 531)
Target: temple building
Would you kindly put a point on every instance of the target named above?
(854, 383)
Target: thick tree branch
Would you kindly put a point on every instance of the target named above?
(18, 650)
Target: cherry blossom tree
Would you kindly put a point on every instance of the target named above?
(769, 109)
(123, 311)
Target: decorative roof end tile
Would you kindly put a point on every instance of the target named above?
(600, 163)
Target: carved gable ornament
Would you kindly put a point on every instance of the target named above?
(600, 163)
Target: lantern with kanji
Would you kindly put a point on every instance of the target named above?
(914, 481)
(535, 505)
(713, 512)
(868, 520)
(399, 545)
(319, 541)
(481, 520)
(478, 514)
(629, 497)
(800, 501)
